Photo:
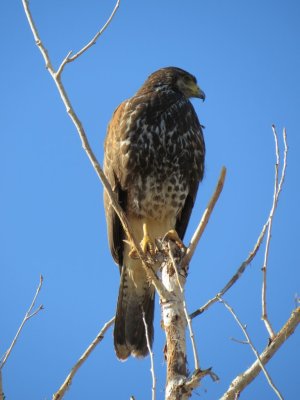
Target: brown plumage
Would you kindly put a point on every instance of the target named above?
(154, 161)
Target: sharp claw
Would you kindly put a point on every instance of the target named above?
(173, 235)
(147, 243)
(149, 246)
(133, 254)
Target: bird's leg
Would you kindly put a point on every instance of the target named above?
(147, 244)
(173, 235)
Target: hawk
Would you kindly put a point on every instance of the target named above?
(154, 161)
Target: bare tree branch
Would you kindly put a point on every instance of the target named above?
(67, 383)
(235, 277)
(277, 190)
(250, 343)
(29, 314)
(188, 319)
(245, 263)
(151, 359)
(205, 218)
(68, 58)
(179, 385)
(2, 397)
(174, 325)
(244, 379)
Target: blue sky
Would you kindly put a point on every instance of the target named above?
(247, 60)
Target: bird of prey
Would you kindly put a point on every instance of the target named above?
(154, 161)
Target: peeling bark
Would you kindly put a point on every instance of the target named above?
(174, 323)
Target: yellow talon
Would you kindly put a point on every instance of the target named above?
(173, 235)
(147, 243)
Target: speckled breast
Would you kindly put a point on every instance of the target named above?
(157, 197)
(159, 168)
(161, 156)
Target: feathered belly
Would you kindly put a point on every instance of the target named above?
(157, 197)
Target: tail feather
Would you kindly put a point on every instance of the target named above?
(129, 330)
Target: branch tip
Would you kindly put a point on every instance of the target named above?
(205, 218)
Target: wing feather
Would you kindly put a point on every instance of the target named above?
(196, 177)
(115, 231)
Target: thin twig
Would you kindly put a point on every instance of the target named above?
(37, 39)
(93, 41)
(2, 397)
(235, 277)
(151, 359)
(277, 190)
(250, 343)
(29, 314)
(87, 148)
(238, 341)
(268, 239)
(193, 381)
(296, 300)
(188, 319)
(243, 380)
(65, 386)
(63, 64)
(205, 218)
(68, 59)
(252, 253)
(285, 152)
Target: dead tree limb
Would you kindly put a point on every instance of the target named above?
(250, 343)
(277, 189)
(205, 218)
(255, 249)
(244, 379)
(29, 314)
(153, 389)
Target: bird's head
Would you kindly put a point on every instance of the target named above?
(176, 79)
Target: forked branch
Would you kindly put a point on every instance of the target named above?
(93, 41)
(29, 314)
(257, 245)
(277, 189)
(205, 218)
(250, 343)
(243, 380)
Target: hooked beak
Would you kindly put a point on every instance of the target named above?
(199, 93)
